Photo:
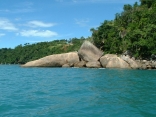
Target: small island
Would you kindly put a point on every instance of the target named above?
(128, 41)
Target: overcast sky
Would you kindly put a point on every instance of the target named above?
(31, 21)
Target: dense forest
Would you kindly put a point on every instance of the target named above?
(132, 30)
(27, 52)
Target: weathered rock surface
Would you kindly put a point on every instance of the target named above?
(89, 52)
(93, 64)
(110, 55)
(153, 63)
(116, 62)
(66, 65)
(143, 66)
(56, 60)
(112, 61)
(80, 64)
(133, 64)
(105, 59)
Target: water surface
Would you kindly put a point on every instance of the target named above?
(75, 92)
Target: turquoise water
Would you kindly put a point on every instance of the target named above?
(73, 92)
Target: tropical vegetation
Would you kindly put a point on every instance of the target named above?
(28, 52)
(132, 30)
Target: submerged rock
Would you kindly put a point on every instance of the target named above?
(89, 52)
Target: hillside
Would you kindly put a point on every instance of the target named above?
(28, 52)
(134, 29)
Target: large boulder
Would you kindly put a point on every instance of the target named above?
(133, 64)
(89, 52)
(93, 64)
(116, 62)
(112, 61)
(57, 60)
(105, 59)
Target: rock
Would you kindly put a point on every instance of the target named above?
(149, 67)
(127, 53)
(148, 63)
(65, 65)
(104, 61)
(144, 66)
(71, 64)
(89, 52)
(110, 55)
(139, 64)
(133, 64)
(93, 64)
(133, 58)
(153, 64)
(112, 61)
(116, 62)
(144, 61)
(80, 64)
(56, 60)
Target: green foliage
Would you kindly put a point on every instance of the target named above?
(28, 52)
(133, 29)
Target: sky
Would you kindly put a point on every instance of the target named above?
(33, 21)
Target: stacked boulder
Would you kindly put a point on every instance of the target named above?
(90, 55)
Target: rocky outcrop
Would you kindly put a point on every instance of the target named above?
(57, 60)
(112, 61)
(93, 64)
(132, 63)
(90, 56)
(88, 52)
(145, 64)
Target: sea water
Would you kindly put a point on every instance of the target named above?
(76, 92)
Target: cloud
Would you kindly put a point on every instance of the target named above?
(2, 34)
(81, 22)
(40, 24)
(38, 33)
(5, 24)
